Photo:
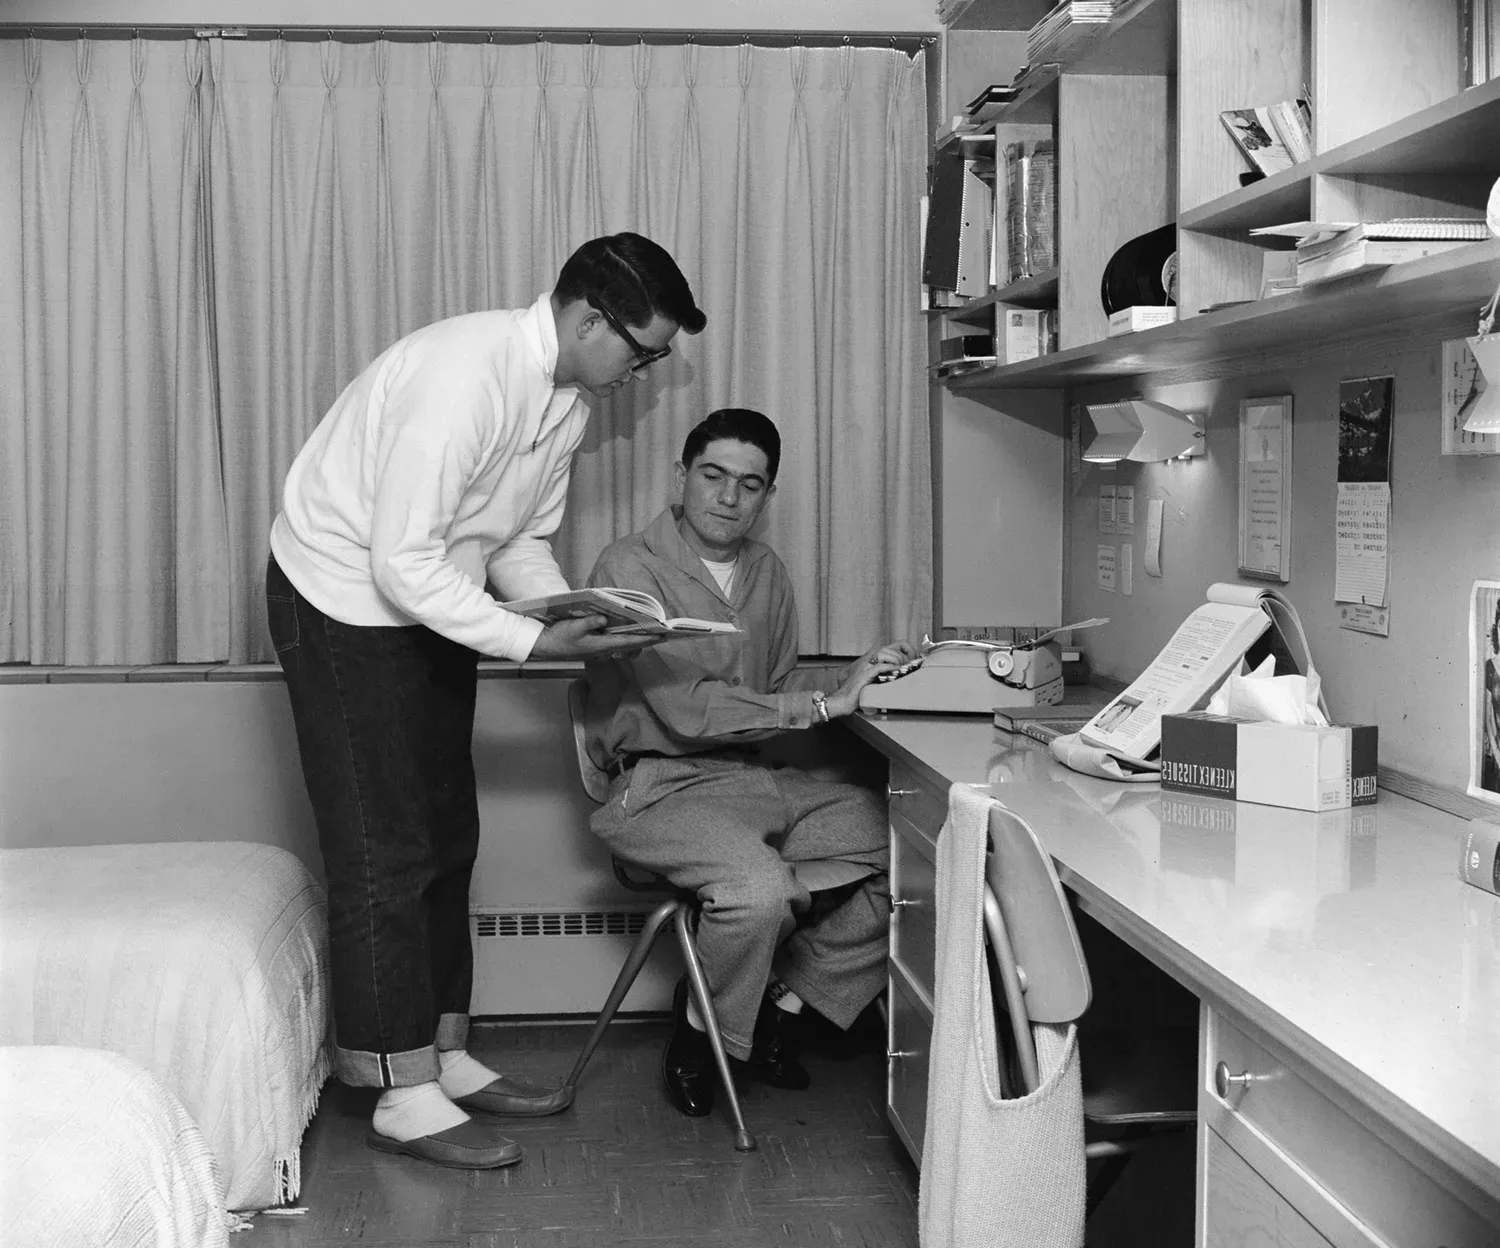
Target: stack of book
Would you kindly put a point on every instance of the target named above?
(1272, 138)
(1378, 244)
(1072, 23)
(988, 104)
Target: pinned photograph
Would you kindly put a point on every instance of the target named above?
(1484, 691)
(1365, 408)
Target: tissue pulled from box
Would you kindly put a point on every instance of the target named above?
(1263, 696)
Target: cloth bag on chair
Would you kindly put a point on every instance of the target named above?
(996, 1173)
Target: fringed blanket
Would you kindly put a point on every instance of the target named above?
(205, 963)
(96, 1152)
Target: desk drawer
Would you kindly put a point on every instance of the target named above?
(919, 802)
(1241, 1208)
(913, 905)
(1357, 1189)
(907, 1064)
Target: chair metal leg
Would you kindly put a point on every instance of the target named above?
(743, 1140)
(636, 959)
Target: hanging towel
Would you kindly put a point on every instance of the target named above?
(995, 1173)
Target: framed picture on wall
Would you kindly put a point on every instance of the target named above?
(1484, 691)
(1266, 488)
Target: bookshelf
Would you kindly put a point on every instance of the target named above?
(1135, 115)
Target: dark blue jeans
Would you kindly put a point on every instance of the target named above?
(385, 723)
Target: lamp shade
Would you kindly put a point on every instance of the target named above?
(1142, 430)
(1166, 433)
(1483, 412)
(1117, 430)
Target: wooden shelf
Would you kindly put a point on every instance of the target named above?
(1032, 292)
(1457, 135)
(1445, 283)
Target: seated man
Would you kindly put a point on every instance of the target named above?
(689, 797)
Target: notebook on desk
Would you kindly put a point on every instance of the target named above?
(1044, 723)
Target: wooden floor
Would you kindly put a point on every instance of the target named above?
(621, 1167)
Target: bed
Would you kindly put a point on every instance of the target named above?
(97, 1152)
(203, 962)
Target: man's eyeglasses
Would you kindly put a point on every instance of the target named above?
(644, 356)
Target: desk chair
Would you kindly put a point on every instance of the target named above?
(680, 908)
(1045, 979)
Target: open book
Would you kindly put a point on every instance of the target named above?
(1237, 622)
(628, 611)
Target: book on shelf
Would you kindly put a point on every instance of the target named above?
(1272, 138)
(1363, 254)
(627, 610)
(1206, 647)
(1065, 28)
(1459, 229)
(960, 217)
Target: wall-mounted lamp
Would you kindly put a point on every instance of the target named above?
(1482, 412)
(1142, 430)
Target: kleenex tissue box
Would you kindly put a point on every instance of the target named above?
(1296, 765)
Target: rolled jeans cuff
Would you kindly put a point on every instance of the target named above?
(452, 1032)
(362, 1069)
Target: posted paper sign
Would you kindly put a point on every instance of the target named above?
(1106, 509)
(1362, 528)
(1107, 568)
(1127, 569)
(1152, 557)
(1125, 509)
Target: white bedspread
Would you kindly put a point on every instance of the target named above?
(96, 1153)
(205, 963)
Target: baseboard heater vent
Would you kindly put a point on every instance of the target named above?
(562, 923)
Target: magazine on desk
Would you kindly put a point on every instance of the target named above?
(1206, 647)
(628, 611)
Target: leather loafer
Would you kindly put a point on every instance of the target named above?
(687, 1063)
(773, 1057)
(471, 1145)
(516, 1098)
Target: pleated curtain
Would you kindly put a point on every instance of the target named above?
(216, 237)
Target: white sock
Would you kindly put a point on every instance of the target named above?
(461, 1074)
(784, 997)
(409, 1113)
(695, 1019)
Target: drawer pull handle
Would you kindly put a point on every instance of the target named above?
(895, 1055)
(898, 902)
(1224, 1082)
(894, 793)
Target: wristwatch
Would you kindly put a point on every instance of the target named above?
(820, 704)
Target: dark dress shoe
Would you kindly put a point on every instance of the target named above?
(687, 1063)
(471, 1145)
(516, 1099)
(773, 1050)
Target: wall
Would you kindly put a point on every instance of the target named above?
(1445, 533)
(998, 480)
(829, 15)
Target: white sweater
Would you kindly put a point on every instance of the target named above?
(444, 462)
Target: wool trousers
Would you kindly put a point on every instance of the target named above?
(730, 829)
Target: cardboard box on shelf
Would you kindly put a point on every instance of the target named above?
(1296, 765)
(1138, 316)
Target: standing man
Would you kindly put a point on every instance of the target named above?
(692, 798)
(442, 465)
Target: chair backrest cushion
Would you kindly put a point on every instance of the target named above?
(1040, 925)
(595, 781)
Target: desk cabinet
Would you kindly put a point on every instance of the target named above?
(917, 813)
(1287, 1157)
(1283, 1159)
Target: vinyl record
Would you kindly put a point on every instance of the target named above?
(1138, 274)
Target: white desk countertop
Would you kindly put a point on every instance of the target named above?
(1346, 935)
